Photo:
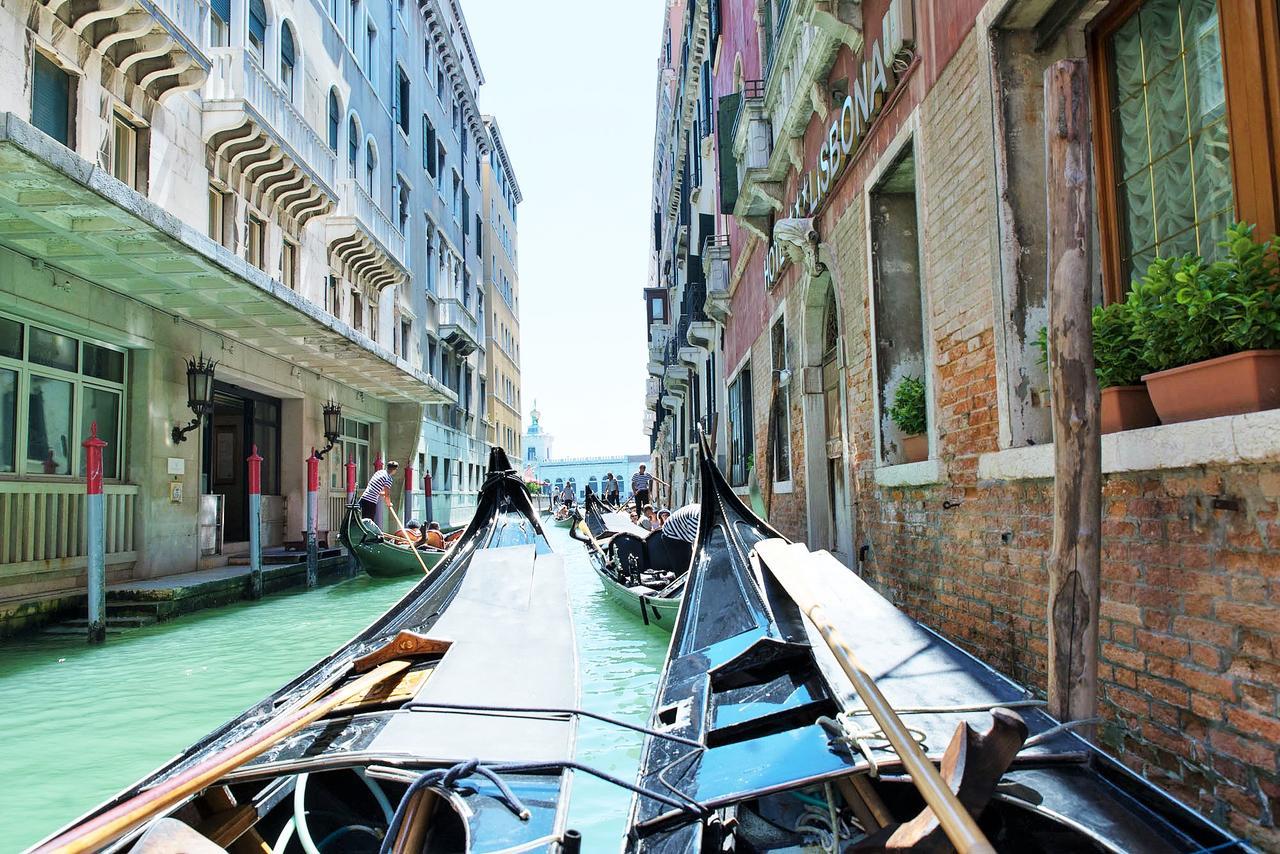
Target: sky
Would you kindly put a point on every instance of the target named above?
(572, 86)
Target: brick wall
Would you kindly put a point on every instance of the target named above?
(1190, 626)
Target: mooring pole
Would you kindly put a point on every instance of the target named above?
(408, 492)
(351, 499)
(313, 508)
(426, 497)
(1075, 557)
(378, 501)
(95, 520)
(255, 524)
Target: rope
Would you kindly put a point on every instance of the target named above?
(1041, 737)
(541, 710)
(858, 740)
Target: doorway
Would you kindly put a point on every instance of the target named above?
(830, 508)
(241, 420)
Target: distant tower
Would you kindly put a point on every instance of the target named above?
(537, 445)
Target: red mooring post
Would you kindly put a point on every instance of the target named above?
(351, 500)
(426, 496)
(378, 501)
(95, 520)
(313, 509)
(255, 524)
(408, 493)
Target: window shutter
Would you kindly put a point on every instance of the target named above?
(221, 8)
(286, 46)
(726, 122)
(51, 99)
(334, 121)
(258, 20)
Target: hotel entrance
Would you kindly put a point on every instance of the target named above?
(241, 419)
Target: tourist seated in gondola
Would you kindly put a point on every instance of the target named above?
(434, 538)
(410, 533)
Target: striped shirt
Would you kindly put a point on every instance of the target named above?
(379, 483)
(640, 481)
(683, 524)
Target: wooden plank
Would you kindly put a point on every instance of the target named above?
(1075, 556)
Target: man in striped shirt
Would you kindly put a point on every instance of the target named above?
(379, 486)
(679, 533)
(641, 482)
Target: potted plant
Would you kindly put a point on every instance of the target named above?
(1210, 332)
(908, 414)
(1119, 363)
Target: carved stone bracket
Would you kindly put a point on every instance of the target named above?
(799, 239)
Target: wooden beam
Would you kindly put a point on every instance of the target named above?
(1075, 557)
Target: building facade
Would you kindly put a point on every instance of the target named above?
(291, 190)
(541, 466)
(879, 179)
(500, 252)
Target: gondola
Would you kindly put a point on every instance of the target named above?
(404, 739)
(563, 516)
(630, 562)
(769, 746)
(381, 555)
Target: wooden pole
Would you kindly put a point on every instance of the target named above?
(1075, 558)
(255, 524)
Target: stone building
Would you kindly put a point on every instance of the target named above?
(500, 251)
(880, 187)
(291, 190)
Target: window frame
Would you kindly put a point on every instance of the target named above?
(119, 123)
(782, 400)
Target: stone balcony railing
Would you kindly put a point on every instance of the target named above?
(261, 142)
(716, 258)
(457, 326)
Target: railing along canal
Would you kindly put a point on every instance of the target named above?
(45, 522)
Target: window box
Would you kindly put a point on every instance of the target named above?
(1227, 385)
(1127, 407)
(922, 473)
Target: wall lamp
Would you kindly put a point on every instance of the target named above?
(199, 394)
(332, 426)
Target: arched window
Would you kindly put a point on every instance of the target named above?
(288, 59)
(335, 119)
(370, 170)
(353, 145)
(257, 28)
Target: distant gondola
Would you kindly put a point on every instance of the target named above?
(770, 748)
(414, 711)
(632, 563)
(381, 555)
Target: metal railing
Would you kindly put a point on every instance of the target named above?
(236, 75)
(41, 523)
(354, 201)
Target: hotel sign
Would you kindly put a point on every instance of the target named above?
(861, 107)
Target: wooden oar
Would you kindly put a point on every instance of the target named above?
(96, 833)
(400, 527)
(956, 821)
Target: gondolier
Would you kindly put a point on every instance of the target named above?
(379, 486)
(641, 481)
(679, 533)
(567, 494)
(612, 486)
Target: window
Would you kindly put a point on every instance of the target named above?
(370, 170)
(288, 60)
(332, 295)
(124, 151)
(353, 26)
(741, 428)
(457, 197)
(457, 118)
(357, 312)
(440, 84)
(289, 264)
(371, 54)
(898, 309)
(51, 102)
(1168, 167)
(335, 12)
(430, 151)
(426, 60)
(353, 146)
(479, 227)
(354, 445)
(220, 23)
(780, 412)
(335, 120)
(466, 209)
(442, 157)
(255, 246)
(217, 214)
(68, 384)
(257, 28)
(402, 205)
(463, 156)
(406, 338)
(402, 100)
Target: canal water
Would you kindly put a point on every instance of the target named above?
(78, 724)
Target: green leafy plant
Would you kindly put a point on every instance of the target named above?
(1117, 350)
(1186, 310)
(1042, 344)
(909, 406)
(533, 486)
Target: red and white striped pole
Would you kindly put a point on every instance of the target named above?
(255, 524)
(313, 509)
(426, 497)
(378, 499)
(95, 519)
(351, 499)
(408, 493)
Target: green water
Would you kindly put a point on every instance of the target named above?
(81, 723)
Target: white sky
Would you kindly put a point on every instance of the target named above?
(572, 85)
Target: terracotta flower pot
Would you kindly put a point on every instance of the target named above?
(1227, 385)
(915, 448)
(1127, 407)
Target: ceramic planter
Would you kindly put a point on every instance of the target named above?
(1127, 407)
(1227, 385)
(915, 448)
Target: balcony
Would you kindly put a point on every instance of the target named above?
(363, 242)
(261, 142)
(716, 257)
(457, 326)
(155, 45)
(759, 192)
